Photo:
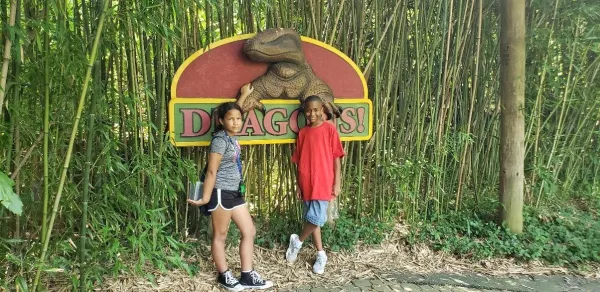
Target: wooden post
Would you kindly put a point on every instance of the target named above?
(512, 122)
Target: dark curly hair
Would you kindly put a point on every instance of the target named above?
(221, 111)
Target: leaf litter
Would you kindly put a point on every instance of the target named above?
(365, 262)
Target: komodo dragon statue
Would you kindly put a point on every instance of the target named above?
(288, 77)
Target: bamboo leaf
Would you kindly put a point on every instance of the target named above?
(8, 198)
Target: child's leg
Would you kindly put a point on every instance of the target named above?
(296, 242)
(249, 278)
(320, 217)
(315, 214)
(220, 222)
(243, 220)
(317, 238)
(308, 229)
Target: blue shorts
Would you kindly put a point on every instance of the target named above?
(315, 212)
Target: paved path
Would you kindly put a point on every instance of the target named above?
(472, 282)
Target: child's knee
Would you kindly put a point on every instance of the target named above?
(315, 212)
(250, 232)
(220, 235)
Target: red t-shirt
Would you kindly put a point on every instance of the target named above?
(316, 150)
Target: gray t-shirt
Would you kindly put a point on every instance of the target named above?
(228, 175)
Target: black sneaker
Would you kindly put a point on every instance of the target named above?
(252, 280)
(229, 282)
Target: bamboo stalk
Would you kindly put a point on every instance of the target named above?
(539, 99)
(86, 186)
(446, 74)
(46, 122)
(337, 20)
(22, 161)
(473, 94)
(70, 147)
(387, 25)
(85, 23)
(562, 111)
(17, 177)
(6, 58)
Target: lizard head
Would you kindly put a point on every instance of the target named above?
(275, 45)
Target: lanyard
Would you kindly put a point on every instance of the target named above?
(238, 152)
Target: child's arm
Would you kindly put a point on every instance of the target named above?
(337, 153)
(298, 190)
(248, 102)
(337, 170)
(295, 161)
(210, 179)
(246, 90)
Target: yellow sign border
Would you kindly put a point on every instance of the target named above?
(269, 101)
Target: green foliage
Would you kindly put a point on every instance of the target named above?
(8, 198)
(565, 237)
(349, 231)
(345, 234)
(275, 231)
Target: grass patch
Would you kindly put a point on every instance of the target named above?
(345, 234)
(567, 237)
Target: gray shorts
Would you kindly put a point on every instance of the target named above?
(315, 212)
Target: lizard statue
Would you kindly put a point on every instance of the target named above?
(289, 76)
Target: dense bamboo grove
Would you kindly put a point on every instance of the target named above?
(87, 87)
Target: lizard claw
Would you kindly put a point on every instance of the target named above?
(332, 110)
(261, 107)
(250, 100)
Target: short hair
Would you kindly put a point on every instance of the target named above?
(310, 99)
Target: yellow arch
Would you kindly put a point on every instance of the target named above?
(219, 43)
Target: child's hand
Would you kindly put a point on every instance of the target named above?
(298, 192)
(247, 89)
(196, 203)
(337, 189)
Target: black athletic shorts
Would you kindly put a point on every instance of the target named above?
(225, 199)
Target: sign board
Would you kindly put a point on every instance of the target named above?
(215, 75)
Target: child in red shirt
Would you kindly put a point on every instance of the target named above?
(318, 159)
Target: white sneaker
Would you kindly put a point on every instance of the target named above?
(295, 245)
(319, 266)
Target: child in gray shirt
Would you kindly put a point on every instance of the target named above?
(224, 199)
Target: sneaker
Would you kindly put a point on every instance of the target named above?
(229, 282)
(292, 252)
(252, 280)
(319, 266)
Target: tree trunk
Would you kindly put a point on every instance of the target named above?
(512, 123)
